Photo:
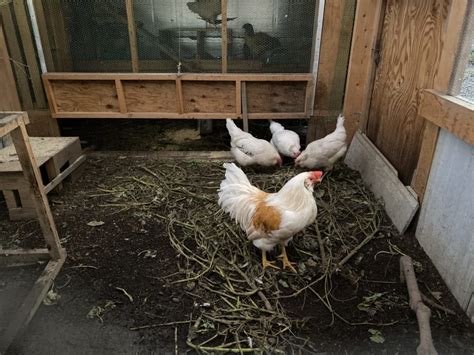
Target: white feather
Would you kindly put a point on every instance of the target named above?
(285, 141)
(248, 150)
(324, 152)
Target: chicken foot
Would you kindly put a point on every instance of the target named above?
(286, 262)
(266, 263)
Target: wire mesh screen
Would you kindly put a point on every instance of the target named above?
(170, 32)
(90, 35)
(271, 35)
(263, 36)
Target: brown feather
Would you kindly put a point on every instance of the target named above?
(266, 218)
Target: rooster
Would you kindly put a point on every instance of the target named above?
(257, 44)
(324, 152)
(269, 219)
(285, 141)
(248, 150)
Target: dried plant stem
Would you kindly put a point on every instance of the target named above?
(423, 313)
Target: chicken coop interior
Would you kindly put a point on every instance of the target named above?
(237, 176)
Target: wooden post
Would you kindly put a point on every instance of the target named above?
(132, 35)
(9, 100)
(224, 35)
(362, 64)
(16, 56)
(30, 53)
(60, 37)
(33, 176)
(121, 96)
(245, 113)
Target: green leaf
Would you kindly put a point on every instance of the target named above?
(376, 336)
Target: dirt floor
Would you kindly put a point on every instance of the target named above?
(129, 234)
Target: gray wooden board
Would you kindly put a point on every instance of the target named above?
(400, 201)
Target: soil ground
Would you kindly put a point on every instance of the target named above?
(94, 314)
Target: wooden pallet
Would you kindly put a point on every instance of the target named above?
(14, 124)
(57, 159)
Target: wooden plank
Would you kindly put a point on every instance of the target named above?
(42, 124)
(22, 256)
(160, 115)
(62, 54)
(85, 96)
(30, 53)
(179, 96)
(224, 35)
(43, 30)
(276, 97)
(50, 95)
(245, 111)
(32, 302)
(148, 96)
(15, 53)
(332, 68)
(186, 76)
(61, 176)
(9, 100)
(362, 64)
(448, 112)
(169, 154)
(132, 35)
(238, 96)
(459, 10)
(380, 176)
(33, 176)
(409, 61)
(8, 123)
(201, 96)
(308, 98)
(121, 96)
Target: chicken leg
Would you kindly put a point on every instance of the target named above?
(266, 263)
(286, 262)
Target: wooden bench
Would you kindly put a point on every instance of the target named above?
(57, 158)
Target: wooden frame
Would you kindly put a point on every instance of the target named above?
(224, 94)
(457, 19)
(14, 124)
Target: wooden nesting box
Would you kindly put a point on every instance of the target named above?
(57, 158)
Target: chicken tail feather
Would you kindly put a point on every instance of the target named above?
(237, 196)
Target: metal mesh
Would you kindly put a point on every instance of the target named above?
(172, 31)
(271, 35)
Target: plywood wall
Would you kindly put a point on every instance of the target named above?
(410, 50)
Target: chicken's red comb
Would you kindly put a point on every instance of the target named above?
(317, 174)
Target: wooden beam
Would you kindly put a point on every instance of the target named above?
(17, 58)
(50, 95)
(187, 76)
(452, 36)
(132, 35)
(238, 96)
(224, 35)
(448, 112)
(61, 176)
(245, 111)
(179, 96)
(43, 30)
(61, 42)
(121, 96)
(33, 176)
(362, 64)
(30, 53)
(9, 100)
(23, 256)
(31, 303)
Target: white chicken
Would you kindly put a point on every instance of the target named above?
(285, 141)
(248, 150)
(324, 152)
(269, 219)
